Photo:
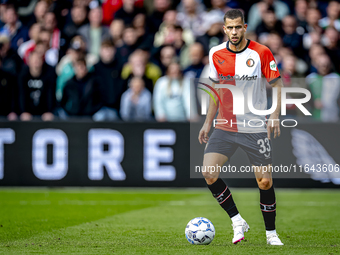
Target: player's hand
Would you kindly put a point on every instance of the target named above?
(203, 134)
(273, 126)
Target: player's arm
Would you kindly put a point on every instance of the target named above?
(274, 122)
(212, 110)
(272, 74)
(213, 75)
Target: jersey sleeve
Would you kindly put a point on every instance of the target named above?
(213, 75)
(268, 66)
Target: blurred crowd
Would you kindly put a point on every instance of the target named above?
(133, 60)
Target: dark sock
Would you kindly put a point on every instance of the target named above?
(223, 196)
(268, 207)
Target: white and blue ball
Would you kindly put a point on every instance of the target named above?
(200, 230)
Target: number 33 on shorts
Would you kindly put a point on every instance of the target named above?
(265, 148)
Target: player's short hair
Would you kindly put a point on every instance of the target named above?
(233, 14)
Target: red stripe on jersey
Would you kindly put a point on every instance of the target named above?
(267, 59)
(224, 62)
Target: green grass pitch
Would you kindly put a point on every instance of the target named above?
(152, 221)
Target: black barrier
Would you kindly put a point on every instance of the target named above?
(129, 154)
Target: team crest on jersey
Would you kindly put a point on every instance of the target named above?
(250, 62)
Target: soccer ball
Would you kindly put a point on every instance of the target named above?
(200, 231)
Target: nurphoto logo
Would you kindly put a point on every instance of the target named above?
(239, 103)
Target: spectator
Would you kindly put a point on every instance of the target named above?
(291, 38)
(156, 17)
(28, 46)
(130, 44)
(167, 30)
(196, 57)
(269, 24)
(51, 55)
(219, 5)
(216, 14)
(332, 19)
(136, 102)
(313, 17)
(128, 12)
(325, 89)
(174, 98)
(315, 51)
(11, 62)
(167, 56)
(8, 95)
(65, 69)
(274, 42)
(13, 28)
(116, 32)
(145, 39)
(255, 13)
(214, 35)
(3, 6)
(311, 38)
(313, 30)
(41, 48)
(40, 10)
(25, 9)
(58, 40)
(36, 89)
(191, 16)
(139, 66)
(289, 70)
(94, 33)
(78, 19)
(81, 95)
(107, 72)
(181, 47)
(301, 7)
(332, 48)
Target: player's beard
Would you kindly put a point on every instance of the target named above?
(238, 42)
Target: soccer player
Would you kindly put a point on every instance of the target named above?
(240, 62)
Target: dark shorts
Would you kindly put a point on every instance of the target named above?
(257, 145)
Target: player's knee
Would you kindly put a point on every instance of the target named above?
(210, 178)
(264, 183)
(210, 181)
(207, 175)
